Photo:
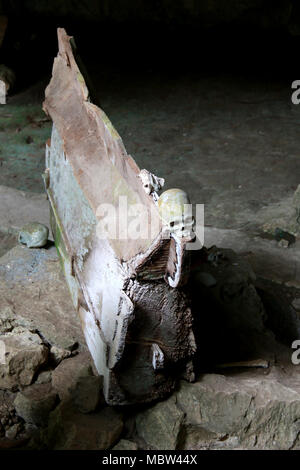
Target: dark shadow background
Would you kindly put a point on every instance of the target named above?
(256, 38)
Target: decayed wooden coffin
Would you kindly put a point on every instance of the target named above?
(135, 317)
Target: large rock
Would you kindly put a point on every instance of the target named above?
(35, 403)
(160, 425)
(24, 355)
(12, 432)
(71, 430)
(33, 294)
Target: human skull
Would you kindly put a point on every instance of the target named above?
(157, 357)
(34, 235)
(176, 212)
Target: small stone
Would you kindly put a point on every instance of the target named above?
(35, 403)
(34, 235)
(124, 444)
(17, 208)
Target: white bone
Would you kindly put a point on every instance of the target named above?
(157, 357)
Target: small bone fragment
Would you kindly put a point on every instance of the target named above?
(3, 26)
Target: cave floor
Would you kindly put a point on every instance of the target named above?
(232, 143)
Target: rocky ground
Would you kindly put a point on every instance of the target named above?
(246, 393)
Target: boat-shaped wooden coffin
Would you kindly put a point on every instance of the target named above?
(123, 273)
